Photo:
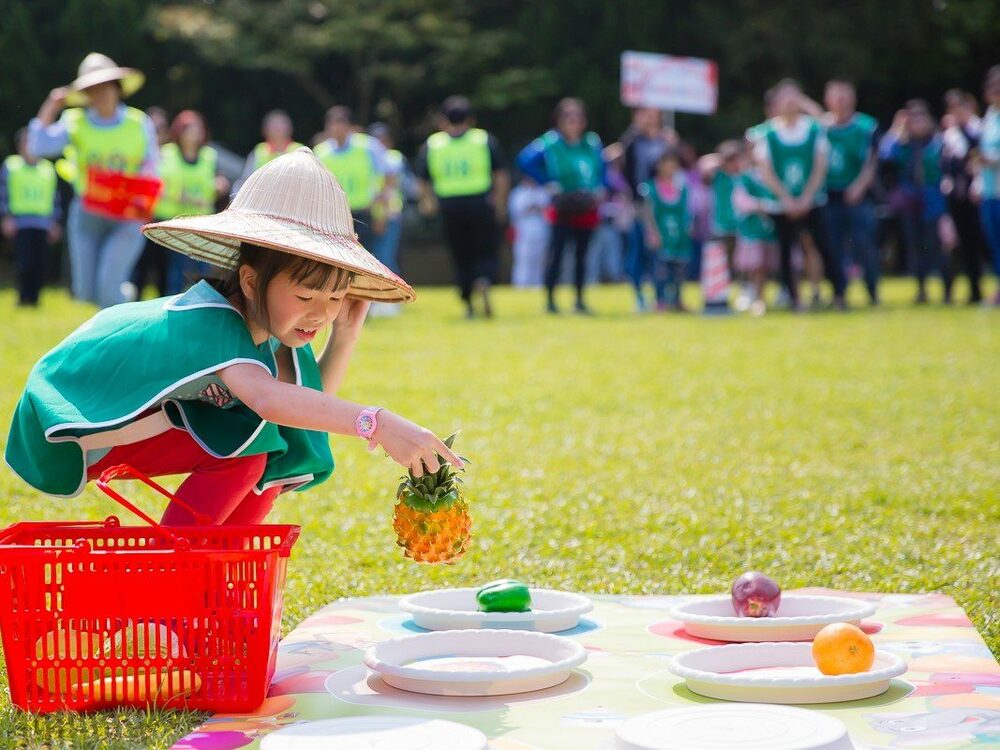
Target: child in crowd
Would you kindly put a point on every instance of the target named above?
(756, 241)
(221, 383)
(668, 229)
(913, 147)
(528, 203)
(30, 211)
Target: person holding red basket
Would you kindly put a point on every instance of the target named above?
(115, 153)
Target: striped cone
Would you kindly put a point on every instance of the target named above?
(715, 278)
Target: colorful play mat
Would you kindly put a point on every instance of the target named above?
(949, 698)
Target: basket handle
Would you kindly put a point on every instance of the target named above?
(124, 471)
(285, 550)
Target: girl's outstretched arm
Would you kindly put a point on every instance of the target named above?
(408, 444)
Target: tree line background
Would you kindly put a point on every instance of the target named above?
(395, 60)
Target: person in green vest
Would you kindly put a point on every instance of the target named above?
(463, 174)
(276, 127)
(756, 241)
(191, 186)
(913, 148)
(721, 171)
(221, 383)
(358, 161)
(104, 136)
(667, 217)
(568, 159)
(849, 213)
(29, 214)
(792, 156)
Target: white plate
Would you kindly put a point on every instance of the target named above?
(778, 673)
(799, 618)
(375, 733)
(727, 726)
(457, 609)
(475, 662)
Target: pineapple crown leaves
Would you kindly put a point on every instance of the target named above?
(434, 491)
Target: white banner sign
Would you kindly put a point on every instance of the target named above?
(681, 84)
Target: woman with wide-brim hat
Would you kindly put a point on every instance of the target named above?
(111, 146)
(221, 382)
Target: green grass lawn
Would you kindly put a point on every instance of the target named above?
(634, 454)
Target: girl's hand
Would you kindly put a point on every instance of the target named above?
(351, 317)
(410, 445)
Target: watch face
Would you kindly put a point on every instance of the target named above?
(366, 424)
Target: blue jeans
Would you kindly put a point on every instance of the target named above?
(639, 264)
(668, 275)
(386, 245)
(605, 260)
(851, 233)
(183, 271)
(102, 254)
(989, 212)
(923, 251)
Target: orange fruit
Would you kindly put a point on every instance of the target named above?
(842, 648)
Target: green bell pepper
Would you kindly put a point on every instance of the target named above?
(505, 595)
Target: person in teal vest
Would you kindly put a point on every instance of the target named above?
(987, 161)
(277, 129)
(756, 241)
(668, 221)
(463, 174)
(792, 154)
(912, 149)
(568, 160)
(358, 161)
(849, 213)
(30, 214)
(102, 135)
(221, 383)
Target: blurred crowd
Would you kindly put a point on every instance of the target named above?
(817, 192)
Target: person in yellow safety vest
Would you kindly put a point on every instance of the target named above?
(30, 211)
(108, 136)
(191, 185)
(358, 162)
(463, 173)
(276, 128)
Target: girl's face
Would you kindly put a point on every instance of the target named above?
(104, 95)
(193, 136)
(667, 168)
(572, 123)
(297, 312)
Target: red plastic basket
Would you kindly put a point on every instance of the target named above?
(95, 614)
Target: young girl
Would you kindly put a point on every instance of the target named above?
(756, 241)
(668, 222)
(221, 383)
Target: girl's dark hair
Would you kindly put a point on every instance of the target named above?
(268, 263)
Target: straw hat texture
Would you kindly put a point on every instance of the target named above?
(292, 204)
(97, 68)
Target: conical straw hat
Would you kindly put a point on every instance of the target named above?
(291, 204)
(97, 68)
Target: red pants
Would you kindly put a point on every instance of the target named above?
(221, 488)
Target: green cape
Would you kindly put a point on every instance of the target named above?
(126, 360)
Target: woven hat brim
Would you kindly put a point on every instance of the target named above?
(131, 80)
(216, 239)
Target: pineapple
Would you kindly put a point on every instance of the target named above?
(431, 518)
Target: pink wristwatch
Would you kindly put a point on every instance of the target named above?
(367, 422)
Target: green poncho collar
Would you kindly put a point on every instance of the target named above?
(128, 359)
